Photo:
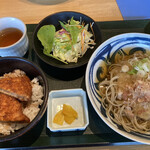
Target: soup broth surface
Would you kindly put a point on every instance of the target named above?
(9, 36)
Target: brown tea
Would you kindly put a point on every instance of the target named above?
(9, 36)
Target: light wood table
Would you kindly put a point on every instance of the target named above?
(32, 11)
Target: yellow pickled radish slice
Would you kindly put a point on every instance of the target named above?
(69, 111)
(59, 118)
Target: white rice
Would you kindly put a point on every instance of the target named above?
(32, 108)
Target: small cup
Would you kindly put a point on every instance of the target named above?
(20, 47)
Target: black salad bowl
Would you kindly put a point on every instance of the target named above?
(64, 17)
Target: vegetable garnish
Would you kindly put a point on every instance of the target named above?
(141, 67)
(46, 36)
(73, 28)
(67, 44)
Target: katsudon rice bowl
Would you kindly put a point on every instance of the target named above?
(23, 96)
(31, 108)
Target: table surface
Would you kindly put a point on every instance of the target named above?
(32, 11)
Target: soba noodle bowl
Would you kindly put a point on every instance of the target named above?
(126, 92)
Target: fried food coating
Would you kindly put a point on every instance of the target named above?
(11, 110)
(18, 87)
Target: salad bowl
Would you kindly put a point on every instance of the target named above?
(54, 19)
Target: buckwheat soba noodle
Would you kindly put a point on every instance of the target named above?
(126, 92)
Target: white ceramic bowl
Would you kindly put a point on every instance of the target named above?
(73, 97)
(128, 43)
(21, 46)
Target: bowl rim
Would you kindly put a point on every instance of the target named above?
(61, 66)
(40, 114)
(91, 98)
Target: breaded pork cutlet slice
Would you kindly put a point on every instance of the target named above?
(11, 110)
(18, 87)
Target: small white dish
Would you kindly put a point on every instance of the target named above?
(73, 97)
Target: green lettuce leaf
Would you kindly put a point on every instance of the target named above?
(46, 35)
(73, 29)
